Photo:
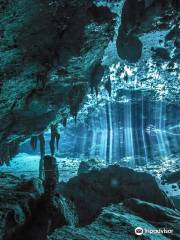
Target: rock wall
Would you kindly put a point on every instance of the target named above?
(48, 50)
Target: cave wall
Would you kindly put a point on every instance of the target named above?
(48, 50)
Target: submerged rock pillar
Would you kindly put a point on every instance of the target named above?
(51, 175)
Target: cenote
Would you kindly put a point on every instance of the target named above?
(89, 120)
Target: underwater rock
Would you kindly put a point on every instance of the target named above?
(176, 201)
(151, 211)
(161, 53)
(8, 181)
(92, 191)
(159, 216)
(33, 185)
(51, 175)
(87, 166)
(40, 215)
(115, 222)
(171, 177)
(39, 223)
(15, 204)
(44, 219)
(68, 210)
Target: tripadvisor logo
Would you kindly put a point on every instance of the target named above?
(139, 231)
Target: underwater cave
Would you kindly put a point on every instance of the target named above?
(89, 120)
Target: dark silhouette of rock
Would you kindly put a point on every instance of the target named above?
(151, 211)
(48, 212)
(176, 201)
(92, 191)
(172, 177)
(108, 86)
(161, 217)
(17, 199)
(87, 166)
(161, 53)
(129, 47)
(115, 222)
(96, 77)
(51, 175)
(33, 185)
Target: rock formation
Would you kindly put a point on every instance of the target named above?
(48, 51)
(92, 191)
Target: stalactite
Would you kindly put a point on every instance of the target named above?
(74, 111)
(13, 148)
(108, 86)
(33, 142)
(96, 76)
(57, 140)
(55, 137)
(75, 118)
(42, 151)
(52, 141)
(65, 122)
(7, 156)
(8, 151)
(75, 98)
(96, 91)
(41, 80)
(42, 144)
